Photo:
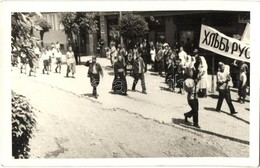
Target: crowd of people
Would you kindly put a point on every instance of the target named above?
(49, 56)
(180, 70)
(186, 72)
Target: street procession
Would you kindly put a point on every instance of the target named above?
(133, 72)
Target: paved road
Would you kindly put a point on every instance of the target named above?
(72, 124)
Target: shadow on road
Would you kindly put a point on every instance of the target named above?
(111, 73)
(108, 68)
(181, 123)
(210, 109)
(214, 110)
(213, 96)
(154, 74)
(88, 95)
(241, 119)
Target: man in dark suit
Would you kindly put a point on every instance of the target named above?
(94, 73)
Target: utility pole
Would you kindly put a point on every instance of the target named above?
(121, 37)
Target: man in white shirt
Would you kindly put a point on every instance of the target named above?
(58, 60)
(45, 58)
(71, 62)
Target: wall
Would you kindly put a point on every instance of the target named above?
(170, 30)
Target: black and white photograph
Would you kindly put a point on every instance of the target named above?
(118, 83)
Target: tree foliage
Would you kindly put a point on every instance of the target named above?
(45, 27)
(76, 23)
(133, 26)
(22, 27)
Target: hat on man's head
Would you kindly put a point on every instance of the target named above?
(195, 50)
(165, 44)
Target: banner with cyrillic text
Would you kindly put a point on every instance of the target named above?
(213, 40)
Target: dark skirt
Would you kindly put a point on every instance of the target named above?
(179, 78)
(120, 85)
(58, 60)
(94, 80)
(46, 62)
(33, 63)
(241, 90)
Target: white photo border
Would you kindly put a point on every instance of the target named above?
(61, 6)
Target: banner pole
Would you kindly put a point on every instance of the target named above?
(212, 77)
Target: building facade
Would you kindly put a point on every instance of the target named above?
(177, 28)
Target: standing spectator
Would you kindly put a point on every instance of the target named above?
(182, 55)
(179, 73)
(45, 58)
(101, 45)
(153, 54)
(223, 79)
(139, 71)
(94, 73)
(170, 74)
(191, 88)
(159, 59)
(113, 54)
(129, 62)
(135, 51)
(122, 52)
(58, 60)
(165, 55)
(242, 85)
(71, 62)
(203, 77)
(146, 54)
(119, 84)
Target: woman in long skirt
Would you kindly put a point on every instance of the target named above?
(119, 84)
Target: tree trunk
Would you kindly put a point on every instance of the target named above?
(41, 35)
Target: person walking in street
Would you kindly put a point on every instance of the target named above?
(94, 73)
(119, 83)
(223, 79)
(33, 62)
(190, 86)
(242, 85)
(139, 68)
(45, 58)
(71, 62)
(58, 60)
(49, 53)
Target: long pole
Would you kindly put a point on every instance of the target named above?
(121, 37)
(213, 74)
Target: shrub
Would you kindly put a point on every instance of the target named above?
(23, 122)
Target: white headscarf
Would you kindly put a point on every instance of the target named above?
(203, 66)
